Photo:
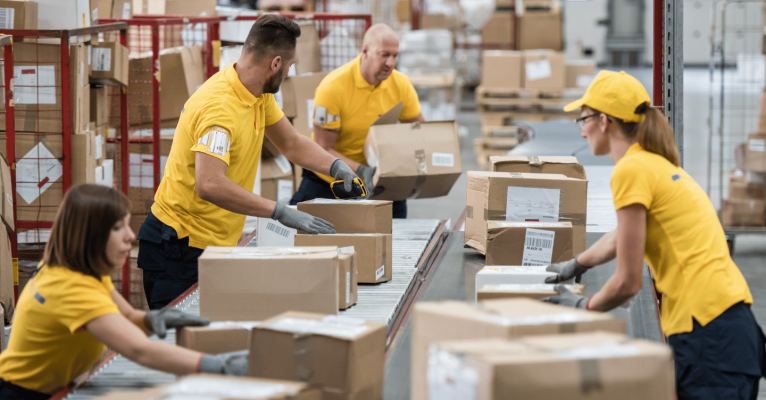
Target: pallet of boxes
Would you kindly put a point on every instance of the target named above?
(745, 205)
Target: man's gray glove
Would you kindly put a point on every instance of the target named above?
(366, 173)
(234, 363)
(300, 220)
(340, 171)
(566, 298)
(566, 270)
(159, 321)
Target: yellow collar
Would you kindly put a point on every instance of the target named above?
(633, 149)
(244, 95)
(359, 80)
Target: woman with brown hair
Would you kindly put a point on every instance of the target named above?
(69, 312)
(665, 218)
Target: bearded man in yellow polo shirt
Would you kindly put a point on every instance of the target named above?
(349, 100)
(207, 188)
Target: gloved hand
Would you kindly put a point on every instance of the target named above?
(340, 171)
(234, 363)
(300, 220)
(566, 298)
(566, 270)
(159, 321)
(366, 173)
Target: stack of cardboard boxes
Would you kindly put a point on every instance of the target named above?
(540, 26)
(7, 303)
(746, 202)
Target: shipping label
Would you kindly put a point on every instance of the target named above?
(278, 229)
(102, 59)
(443, 160)
(756, 145)
(99, 145)
(538, 70)
(538, 247)
(532, 204)
(126, 10)
(284, 190)
(36, 172)
(380, 272)
(6, 18)
(34, 84)
(448, 377)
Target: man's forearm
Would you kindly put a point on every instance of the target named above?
(603, 251)
(228, 195)
(307, 154)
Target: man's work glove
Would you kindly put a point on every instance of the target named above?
(342, 172)
(566, 270)
(566, 298)
(366, 173)
(300, 220)
(234, 363)
(159, 321)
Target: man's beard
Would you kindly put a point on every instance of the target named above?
(272, 84)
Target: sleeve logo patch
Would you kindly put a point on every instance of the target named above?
(676, 177)
(322, 116)
(216, 141)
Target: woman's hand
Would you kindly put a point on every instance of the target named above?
(159, 321)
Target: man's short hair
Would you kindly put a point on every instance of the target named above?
(272, 35)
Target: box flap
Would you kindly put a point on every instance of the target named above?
(520, 224)
(391, 116)
(268, 252)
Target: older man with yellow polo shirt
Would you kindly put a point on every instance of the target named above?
(349, 100)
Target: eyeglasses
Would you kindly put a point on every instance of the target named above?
(580, 122)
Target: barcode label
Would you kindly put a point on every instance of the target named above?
(126, 10)
(279, 230)
(348, 287)
(443, 160)
(538, 247)
(6, 18)
(102, 59)
(756, 145)
(380, 272)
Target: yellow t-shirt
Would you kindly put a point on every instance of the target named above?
(685, 243)
(224, 120)
(344, 100)
(49, 347)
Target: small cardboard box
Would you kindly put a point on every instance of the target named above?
(741, 189)
(110, 63)
(122, 9)
(277, 179)
(541, 29)
(499, 29)
(502, 69)
(100, 9)
(544, 69)
(513, 275)
(83, 158)
(57, 14)
(528, 243)
(755, 152)
(592, 366)
(347, 278)
(183, 75)
(504, 196)
(99, 107)
(352, 216)
(744, 213)
(298, 100)
(373, 252)
(271, 233)
(345, 356)
(216, 338)
(255, 283)
(580, 73)
(6, 193)
(19, 14)
(522, 290)
(452, 320)
(564, 165)
(414, 161)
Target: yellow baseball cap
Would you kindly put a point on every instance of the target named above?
(615, 93)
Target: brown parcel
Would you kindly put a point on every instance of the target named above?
(579, 72)
(298, 99)
(99, 106)
(373, 252)
(755, 152)
(609, 365)
(565, 165)
(83, 158)
(348, 365)
(541, 30)
(744, 213)
(276, 182)
(100, 9)
(347, 279)
(741, 189)
(24, 14)
(414, 161)
(6, 276)
(452, 320)
(527, 291)
(499, 29)
(80, 71)
(352, 216)
(506, 241)
(6, 191)
(544, 69)
(501, 69)
(252, 284)
(183, 75)
(110, 63)
(223, 337)
(488, 196)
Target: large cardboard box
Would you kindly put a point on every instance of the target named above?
(255, 283)
(451, 320)
(544, 69)
(308, 58)
(528, 243)
(564, 165)
(505, 196)
(83, 158)
(414, 161)
(298, 100)
(755, 152)
(541, 29)
(99, 106)
(499, 29)
(373, 252)
(110, 63)
(741, 189)
(277, 179)
(122, 9)
(100, 9)
(502, 69)
(344, 356)
(57, 14)
(352, 216)
(6, 194)
(522, 290)
(592, 366)
(347, 277)
(18, 14)
(216, 338)
(744, 213)
(511, 275)
(7, 302)
(580, 73)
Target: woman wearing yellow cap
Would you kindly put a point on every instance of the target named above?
(665, 218)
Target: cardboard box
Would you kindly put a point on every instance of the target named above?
(266, 281)
(414, 161)
(276, 179)
(122, 9)
(373, 252)
(352, 216)
(528, 243)
(18, 14)
(99, 106)
(502, 369)
(499, 29)
(6, 194)
(512, 275)
(488, 199)
(110, 63)
(308, 58)
(57, 14)
(216, 338)
(744, 213)
(544, 69)
(7, 302)
(100, 9)
(502, 69)
(452, 320)
(541, 29)
(346, 357)
(347, 278)
(762, 113)
(271, 233)
(106, 175)
(755, 153)
(522, 290)
(564, 165)
(83, 158)
(580, 73)
(175, 7)
(298, 100)
(741, 189)
(100, 150)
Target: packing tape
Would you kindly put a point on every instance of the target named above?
(567, 328)
(577, 219)
(469, 211)
(590, 375)
(385, 251)
(535, 161)
(422, 167)
(302, 352)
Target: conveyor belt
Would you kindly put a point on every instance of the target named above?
(379, 302)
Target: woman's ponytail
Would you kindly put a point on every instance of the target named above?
(656, 135)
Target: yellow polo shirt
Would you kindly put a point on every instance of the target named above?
(685, 243)
(344, 100)
(49, 347)
(224, 120)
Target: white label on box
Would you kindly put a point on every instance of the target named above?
(283, 163)
(560, 318)
(330, 327)
(348, 287)
(443, 160)
(110, 132)
(538, 247)
(36, 172)
(517, 224)
(584, 80)
(224, 388)
(94, 15)
(756, 145)
(380, 272)
(278, 229)
(34, 84)
(538, 70)
(126, 10)
(90, 51)
(601, 350)
(284, 190)
(99, 146)
(9, 199)
(448, 377)
(532, 204)
(347, 249)
(248, 325)
(310, 113)
(6, 18)
(102, 59)
(521, 287)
